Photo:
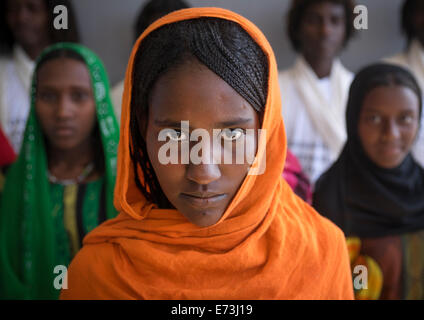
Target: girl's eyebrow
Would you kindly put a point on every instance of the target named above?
(229, 123)
(53, 87)
(168, 123)
(234, 122)
(370, 110)
(375, 110)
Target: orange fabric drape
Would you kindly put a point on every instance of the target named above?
(269, 244)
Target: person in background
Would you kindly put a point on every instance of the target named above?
(314, 90)
(151, 11)
(26, 28)
(61, 186)
(412, 21)
(208, 230)
(375, 190)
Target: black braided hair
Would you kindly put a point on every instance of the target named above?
(223, 46)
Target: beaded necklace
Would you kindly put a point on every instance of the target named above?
(66, 182)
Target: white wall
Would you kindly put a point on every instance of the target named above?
(106, 27)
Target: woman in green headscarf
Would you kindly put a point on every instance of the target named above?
(61, 186)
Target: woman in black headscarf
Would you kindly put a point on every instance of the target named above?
(375, 190)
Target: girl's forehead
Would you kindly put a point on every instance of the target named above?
(198, 95)
(65, 69)
(391, 99)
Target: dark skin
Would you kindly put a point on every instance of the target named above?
(201, 192)
(28, 21)
(321, 35)
(66, 110)
(388, 124)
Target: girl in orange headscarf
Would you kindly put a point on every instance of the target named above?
(206, 230)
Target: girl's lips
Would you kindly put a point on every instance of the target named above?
(64, 131)
(390, 149)
(202, 201)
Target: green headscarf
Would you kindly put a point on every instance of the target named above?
(27, 235)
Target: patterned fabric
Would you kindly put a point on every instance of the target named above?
(413, 248)
(295, 177)
(77, 210)
(28, 243)
(366, 273)
(379, 256)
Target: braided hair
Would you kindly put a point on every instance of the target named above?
(221, 45)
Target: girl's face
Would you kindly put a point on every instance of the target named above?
(65, 104)
(28, 20)
(323, 29)
(388, 124)
(193, 93)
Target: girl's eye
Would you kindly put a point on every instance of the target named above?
(336, 20)
(313, 19)
(231, 134)
(406, 119)
(176, 135)
(374, 119)
(79, 96)
(47, 96)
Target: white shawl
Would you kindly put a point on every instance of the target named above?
(328, 117)
(413, 59)
(15, 80)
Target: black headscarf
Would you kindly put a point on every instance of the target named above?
(362, 198)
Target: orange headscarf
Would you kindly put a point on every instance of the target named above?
(269, 244)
